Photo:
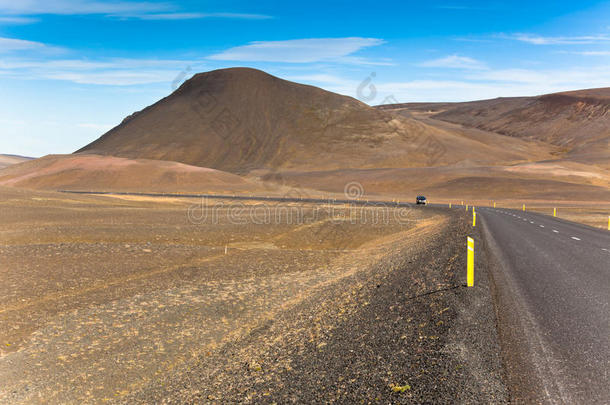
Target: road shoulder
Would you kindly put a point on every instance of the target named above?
(404, 329)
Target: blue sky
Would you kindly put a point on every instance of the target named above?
(72, 69)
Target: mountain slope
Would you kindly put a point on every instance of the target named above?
(242, 119)
(8, 160)
(576, 121)
(106, 173)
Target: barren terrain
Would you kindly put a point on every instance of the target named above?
(102, 296)
(105, 173)
(135, 298)
(8, 160)
(578, 122)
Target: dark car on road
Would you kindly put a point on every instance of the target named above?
(421, 200)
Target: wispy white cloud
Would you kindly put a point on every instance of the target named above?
(473, 85)
(421, 90)
(357, 60)
(86, 64)
(113, 78)
(96, 127)
(570, 78)
(191, 16)
(144, 10)
(17, 20)
(320, 78)
(455, 62)
(560, 40)
(448, 90)
(300, 50)
(589, 53)
(33, 7)
(327, 81)
(595, 53)
(477, 88)
(14, 44)
(114, 72)
(470, 39)
(511, 76)
(469, 85)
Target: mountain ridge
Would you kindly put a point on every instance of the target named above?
(577, 121)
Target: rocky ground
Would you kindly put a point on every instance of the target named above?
(118, 300)
(402, 330)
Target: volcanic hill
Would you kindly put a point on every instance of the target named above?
(241, 119)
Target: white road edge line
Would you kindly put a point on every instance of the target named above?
(575, 238)
(555, 230)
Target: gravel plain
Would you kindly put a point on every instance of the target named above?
(116, 300)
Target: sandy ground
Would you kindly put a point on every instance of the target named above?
(100, 294)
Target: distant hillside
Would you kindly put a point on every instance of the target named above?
(106, 173)
(242, 119)
(576, 121)
(545, 181)
(8, 160)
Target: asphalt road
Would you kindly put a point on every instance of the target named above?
(553, 290)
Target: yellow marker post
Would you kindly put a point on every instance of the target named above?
(473, 209)
(449, 205)
(609, 222)
(466, 207)
(470, 263)
(554, 212)
(494, 204)
(474, 218)
(523, 207)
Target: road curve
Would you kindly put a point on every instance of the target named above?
(552, 280)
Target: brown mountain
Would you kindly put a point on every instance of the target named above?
(577, 121)
(241, 119)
